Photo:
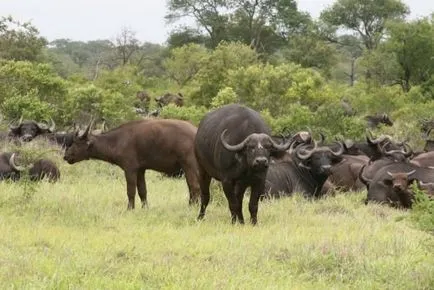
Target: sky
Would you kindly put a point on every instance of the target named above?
(103, 19)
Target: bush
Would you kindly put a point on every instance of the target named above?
(224, 97)
(277, 88)
(210, 79)
(19, 77)
(29, 106)
(193, 114)
(87, 101)
(422, 213)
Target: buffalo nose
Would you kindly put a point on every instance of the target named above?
(261, 161)
(27, 137)
(326, 168)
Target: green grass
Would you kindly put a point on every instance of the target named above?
(77, 234)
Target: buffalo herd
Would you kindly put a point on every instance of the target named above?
(235, 146)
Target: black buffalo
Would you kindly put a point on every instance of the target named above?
(38, 170)
(374, 121)
(233, 145)
(429, 143)
(303, 170)
(390, 184)
(27, 130)
(169, 98)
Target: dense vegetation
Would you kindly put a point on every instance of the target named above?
(296, 71)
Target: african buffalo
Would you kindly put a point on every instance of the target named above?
(162, 145)
(429, 144)
(27, 130)
(424, 159)
(390, 183)
(345, 174)
(428, 188)
(168, 98)
(426, 125)
(38, 170)
(374, 121)
(233, 145)
(302, 170)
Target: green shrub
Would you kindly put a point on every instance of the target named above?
(86, 101)
(29, 106)
(193, 114)
(422, 213)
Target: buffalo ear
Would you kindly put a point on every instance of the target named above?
(89, 144)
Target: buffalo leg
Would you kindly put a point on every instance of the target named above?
(141, 187)
(131, 177)
(229, 190)
(193, 184)
(257, 189)
(204, 183)
(240, 188)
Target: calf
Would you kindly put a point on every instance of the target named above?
(162, 145)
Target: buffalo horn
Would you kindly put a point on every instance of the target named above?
(309, 152)
(13, 165)
(362, 176)
(408, 173)
(86, 132)
(322, 138)
(407, 151)
(426, 183)
(12, 127)
(281, 147)
(340, 151)
(237, 147)
(45, 126)
(378, 140)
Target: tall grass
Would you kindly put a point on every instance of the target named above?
(78, 234)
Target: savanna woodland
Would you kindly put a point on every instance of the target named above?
(319, 76)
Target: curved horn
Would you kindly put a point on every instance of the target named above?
(281, 147)
(411, 172)
(13, 165)
(426, 183)
(426, 135)
(380, 139)
(340, 151)
(407, 151)
(362, 177)
(12, 127)
(86, 132)
(291, 148)
(52, 126)
(233, 148)
(406, 140)
(322, 138)
(309, 152)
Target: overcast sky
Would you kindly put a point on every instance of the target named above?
(103, 19)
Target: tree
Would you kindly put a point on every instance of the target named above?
(367, 18)
(185, 62)
(208, 15)
(185, 35)
(126, 45)
(350, 47)
(412, 44)
(264, 25)
(20, 41)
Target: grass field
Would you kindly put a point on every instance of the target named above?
(77, 234)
